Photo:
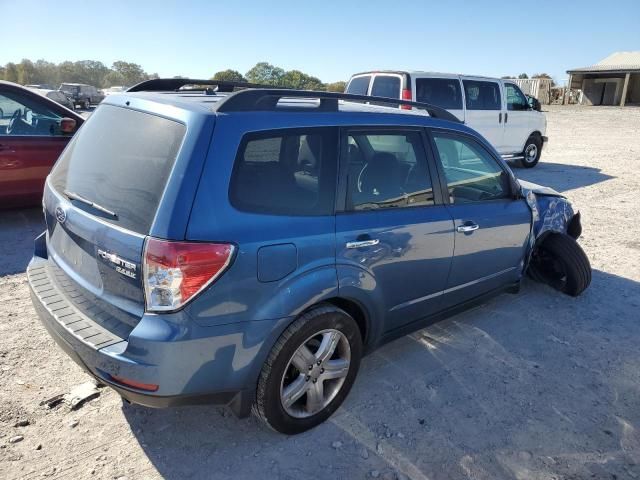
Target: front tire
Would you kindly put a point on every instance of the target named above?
(532, 151)
(309, 371)
(561, 263)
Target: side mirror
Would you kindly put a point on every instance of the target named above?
(67, 125)
(534, 104)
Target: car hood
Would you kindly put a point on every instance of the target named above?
(539, 189)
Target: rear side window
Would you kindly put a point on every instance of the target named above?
(121, 160)
(482, 95)
(359, 85)
(290, 172)
(443, 92)
(386, 86)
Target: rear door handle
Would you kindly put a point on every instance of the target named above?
(500, 117)
(506, 117)
(468, 227)
(363, 243)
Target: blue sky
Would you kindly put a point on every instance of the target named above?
(330, 39)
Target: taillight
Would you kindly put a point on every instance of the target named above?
(406, 95)
(174, 272)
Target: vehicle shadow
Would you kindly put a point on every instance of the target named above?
(560, 176)
(535, 385)
(18, 228)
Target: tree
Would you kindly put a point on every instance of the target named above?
(132, 73)
(11, 72)
(544, 75)
(336, 86)
(301, 81)
(229, 76)
(507, 77)
(265, 73)
(113, 78)
(523, 75)
(26, 72)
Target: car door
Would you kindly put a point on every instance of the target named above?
(484, 109)
(492, 223)
(394, 235)
(517, 119)
(30, 143)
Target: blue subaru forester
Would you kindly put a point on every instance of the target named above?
(249, 247)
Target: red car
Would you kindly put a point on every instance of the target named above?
(33, 132)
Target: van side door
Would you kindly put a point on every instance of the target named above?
(484, 109)
(517, 119)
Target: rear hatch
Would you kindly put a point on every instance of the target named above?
(100, 203)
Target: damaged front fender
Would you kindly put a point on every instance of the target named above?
(551, 213)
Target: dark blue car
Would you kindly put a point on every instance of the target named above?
(248, 248)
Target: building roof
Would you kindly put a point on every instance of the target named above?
(616, 62)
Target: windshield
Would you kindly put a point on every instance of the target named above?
(120, 160)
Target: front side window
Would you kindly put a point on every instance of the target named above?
(359, 85)
(21, 115)
(387, 170)
(481, 95)
(286, 173)
(472, 174)
(515, 98)
(442, 92)
(386, 86)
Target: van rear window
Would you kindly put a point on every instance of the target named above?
(386, 86)
(359, 85)
(121, 160)
(442, 92)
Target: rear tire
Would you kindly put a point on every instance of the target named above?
(561, 263)
(532, 151)
(315, 401)
(87, 104)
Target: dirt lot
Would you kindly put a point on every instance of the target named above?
(536, 385)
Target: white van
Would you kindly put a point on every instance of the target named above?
(496, 108)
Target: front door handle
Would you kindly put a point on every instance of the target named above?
(468, 227)
(363, 243)
(500, 117)
(506, 117)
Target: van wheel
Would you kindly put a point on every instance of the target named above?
(561, 263)
(87, 104)
(309, 371)
(532, 151)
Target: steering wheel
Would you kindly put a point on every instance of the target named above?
(14, 118)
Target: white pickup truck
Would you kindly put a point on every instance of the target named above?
(494, 107)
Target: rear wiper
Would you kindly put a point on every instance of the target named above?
(75, 196)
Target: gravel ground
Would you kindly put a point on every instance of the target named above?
(536, 385)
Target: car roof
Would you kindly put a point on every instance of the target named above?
(348, 112)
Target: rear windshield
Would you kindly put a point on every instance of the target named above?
(384, 86)
(359, 85)
(120, 160)
(69, 88)
(442, 92)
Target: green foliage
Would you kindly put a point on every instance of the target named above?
(523, 75)
(90, 72)
(229, 76)
(336, 86)
(266, 74)
(127, 74)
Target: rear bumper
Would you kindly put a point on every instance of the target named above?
(190, 364)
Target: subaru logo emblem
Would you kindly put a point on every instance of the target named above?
(61, 215)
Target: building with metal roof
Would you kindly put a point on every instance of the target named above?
(614, 80)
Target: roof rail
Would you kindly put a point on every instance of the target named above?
(268, 98)
(174, 84)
